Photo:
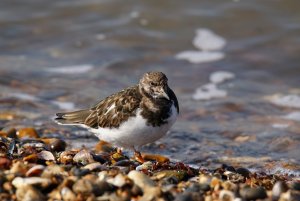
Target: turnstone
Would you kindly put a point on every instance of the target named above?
(133, 117)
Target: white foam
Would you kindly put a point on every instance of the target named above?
(76, 69)
(135, 14)
(280, 126)
(207, 40)
(23, 96)
(291, 100)
(64, 105)
(293, 116)
(209, 44)
(209, 91)
(100, 36)
(200, 56)
(281, 170)
(220, 76)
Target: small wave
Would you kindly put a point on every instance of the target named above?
(207, 40)
(291, 100)
(76, 69)
(209, 44)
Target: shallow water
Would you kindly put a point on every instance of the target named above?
(57, 55)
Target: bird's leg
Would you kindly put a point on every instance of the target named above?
(138, 156)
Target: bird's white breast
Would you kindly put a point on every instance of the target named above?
(135, 132)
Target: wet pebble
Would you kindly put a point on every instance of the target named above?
(145, 166)
(35, 171)
(279, 188)
(5, 163)
(146, 184)
(248, 193)
(10, 132)
(103, 146)
(19, 182)
(45, 156)
(140, 179)
(27, 133)
(296, 186)
(83, 186)
(66, 157)
(102, 187)
(119, 180)
(79, 172)
(29, 193)
(55, 145)
(83, 157)
(189, 196)
(95, 167)
(67, 194)
(226, 195)
(244, 172)
(124, 163)
(178, 174)
(53, 170)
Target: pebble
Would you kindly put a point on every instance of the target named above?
(5, 163)
(46, 156)
(66, 176)
(29, 193)
(95, 167)
(27, 133)
(145, 166)
(226, 195)
(189, 196)
(35, 171)
(248, 193)
(279, 188)
(10, 132)
(54, 144)
(146, 184)
(296, 186)
(102, 187)
(67, 194)
(66, 157)
(118, 180)
(53, 170)
(83, 186)
(140, 179)
(103, 146)
(84, 157)
(178, 174)
(19, 182)
(244, 172)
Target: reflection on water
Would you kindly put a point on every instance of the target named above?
(57, 55)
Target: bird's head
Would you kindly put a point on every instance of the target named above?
(155, 85)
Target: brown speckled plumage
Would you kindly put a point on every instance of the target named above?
(152, 95)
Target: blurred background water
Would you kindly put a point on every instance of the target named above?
(63, 55)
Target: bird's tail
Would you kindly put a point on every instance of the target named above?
(72, 118)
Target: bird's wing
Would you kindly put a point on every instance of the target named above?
(174, 98)
(115, 109)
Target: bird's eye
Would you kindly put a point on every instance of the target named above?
(152, 84)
